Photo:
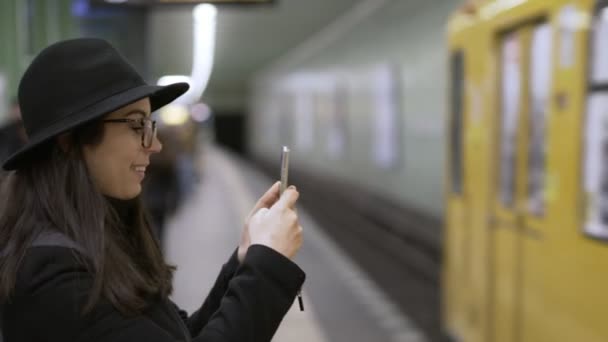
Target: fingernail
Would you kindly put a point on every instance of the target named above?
(292, 187)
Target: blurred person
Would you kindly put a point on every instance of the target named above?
(12, 134)
(187, 168)
(78, 259)
(161, 193)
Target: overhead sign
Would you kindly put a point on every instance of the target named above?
(179, 2)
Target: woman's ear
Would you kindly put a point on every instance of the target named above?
(63, 140)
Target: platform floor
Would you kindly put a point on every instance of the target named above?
(342, 303)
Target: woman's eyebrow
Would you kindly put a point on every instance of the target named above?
(136, 111)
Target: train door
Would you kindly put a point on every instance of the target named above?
(520, 174)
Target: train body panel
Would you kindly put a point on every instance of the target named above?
(525, 268)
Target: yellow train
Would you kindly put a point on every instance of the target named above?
(526, 242)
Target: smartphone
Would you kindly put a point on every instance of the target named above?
(284, 185)
(284, 168)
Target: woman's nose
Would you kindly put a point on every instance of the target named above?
(156, 147)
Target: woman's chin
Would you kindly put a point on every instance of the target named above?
(134, 193)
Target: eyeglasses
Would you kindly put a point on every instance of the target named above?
(147, 127)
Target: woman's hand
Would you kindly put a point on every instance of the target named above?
(278, 227)
(266, 201)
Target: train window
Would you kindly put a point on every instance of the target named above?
(596, 165)
(509, 107)
(595, 180)
(457, 89)
(540, 83)
(599, 48)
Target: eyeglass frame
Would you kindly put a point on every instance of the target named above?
(143, 133)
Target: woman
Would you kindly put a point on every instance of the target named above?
(78, 260)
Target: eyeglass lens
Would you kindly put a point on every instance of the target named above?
(149, 133)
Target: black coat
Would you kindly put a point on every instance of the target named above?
(247, 303)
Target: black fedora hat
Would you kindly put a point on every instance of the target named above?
(75, 81)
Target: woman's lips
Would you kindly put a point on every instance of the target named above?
(140, 170)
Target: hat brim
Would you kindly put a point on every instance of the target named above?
(159, 96)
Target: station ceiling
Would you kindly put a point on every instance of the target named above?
(249, 38)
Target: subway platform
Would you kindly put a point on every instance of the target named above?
(341, 303)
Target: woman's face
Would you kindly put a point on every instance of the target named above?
(118, 164)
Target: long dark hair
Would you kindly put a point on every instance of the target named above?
(55, 191)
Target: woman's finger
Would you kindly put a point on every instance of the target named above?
(271, 195)
(269, 198)
(289, 198)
